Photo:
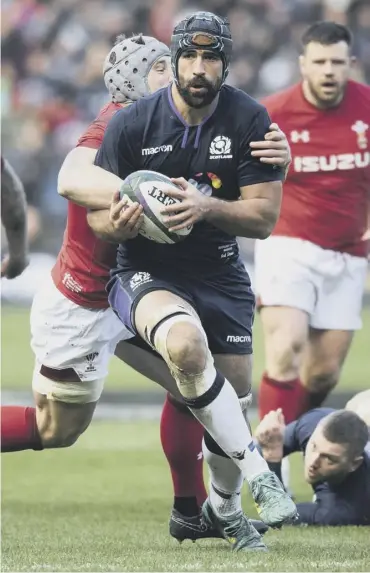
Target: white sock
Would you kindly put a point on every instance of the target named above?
(226, 482)
(285, 472)
(225, 422)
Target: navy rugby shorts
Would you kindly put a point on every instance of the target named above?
(225, 302)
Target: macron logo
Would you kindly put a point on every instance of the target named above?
(154, 150)
(232, 338)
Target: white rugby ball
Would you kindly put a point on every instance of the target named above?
(147, 188)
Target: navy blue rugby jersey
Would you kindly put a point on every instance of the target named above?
(215, 156)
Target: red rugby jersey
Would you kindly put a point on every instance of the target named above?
(84, 261)
(328, 185)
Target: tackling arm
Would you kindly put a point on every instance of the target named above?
(84, 183)
(14, 219)
(119, 223)
(100, 223)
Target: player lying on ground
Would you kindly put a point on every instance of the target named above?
(14, 219)
(310, 274)
(336, 459)
(184, 300)
(77, 300)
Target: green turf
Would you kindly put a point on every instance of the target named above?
(103, 505)
(17, 361)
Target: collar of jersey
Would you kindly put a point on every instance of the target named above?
(185, 124)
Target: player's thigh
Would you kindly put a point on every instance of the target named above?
(156, 306)
(70, 338)
(284, 273)
(324, 356)
(137, 354)
(72, 346)
(339, 300)
(142, 301)
(237, 369)
(59, 423)
(285, 331)
(225, 304)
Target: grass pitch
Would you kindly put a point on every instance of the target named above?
(17, 358)
(103, 505)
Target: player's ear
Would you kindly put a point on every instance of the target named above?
(353, 61)
(356, 463)
(301, 61)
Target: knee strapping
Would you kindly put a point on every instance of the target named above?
(190, 385)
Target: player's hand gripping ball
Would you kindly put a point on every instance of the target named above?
(146, 188)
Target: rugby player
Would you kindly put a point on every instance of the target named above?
(310, 274)
(336, 459)
(176, 298)
(79, 276)
(74, 332)
(14, 220)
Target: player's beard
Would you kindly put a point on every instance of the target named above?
(197, 101)
(327, 100)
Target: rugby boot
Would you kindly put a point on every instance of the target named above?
(184, 527)
(237, 529)
(274, 505)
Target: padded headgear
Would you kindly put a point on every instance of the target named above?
(203, 31)
(128, 64)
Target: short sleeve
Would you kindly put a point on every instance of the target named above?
(94, 134)
(117, 153)
(250, 169)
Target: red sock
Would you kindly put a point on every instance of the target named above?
(290, 396)
(19, 429)
(181, 437)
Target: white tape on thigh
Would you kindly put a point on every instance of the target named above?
(68, 392)
(190, 385)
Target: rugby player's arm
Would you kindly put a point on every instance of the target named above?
(291, 444)
(253, 216)
(84, 183)
(99, 221)
(112, 161)
(328, 509)
(258, 209)
(13, 211)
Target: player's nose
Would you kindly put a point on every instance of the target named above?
(315, 462)
(198, 66)
(328, 69)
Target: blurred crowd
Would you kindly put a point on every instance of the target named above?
(52, 55)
